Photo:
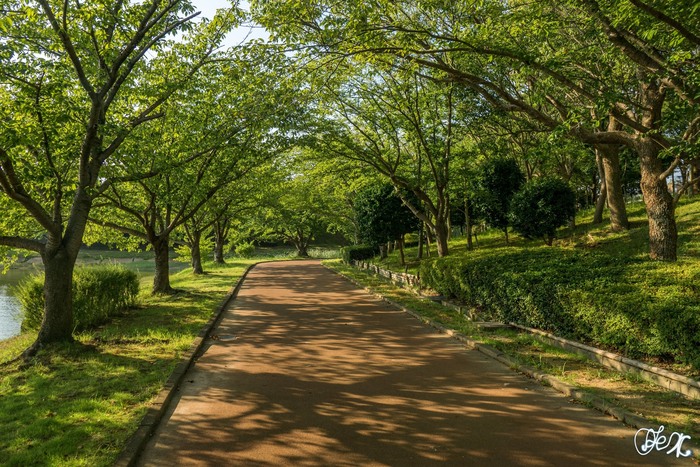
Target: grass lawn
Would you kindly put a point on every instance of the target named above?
(79, 403)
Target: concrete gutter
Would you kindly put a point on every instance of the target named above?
(131, 452)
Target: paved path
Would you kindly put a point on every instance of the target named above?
(307, 370)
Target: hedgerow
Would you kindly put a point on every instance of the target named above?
(358, 253)
(637, 307)
(98, 294)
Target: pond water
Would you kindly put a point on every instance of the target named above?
(10, 319)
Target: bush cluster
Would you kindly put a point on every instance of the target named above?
(98, 294)
(358, 253)
(601, 300)
(245, 249)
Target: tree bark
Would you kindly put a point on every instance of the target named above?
(613, 182)
(196, 253)
(663, 233)
(603, 194)
(57, 324)
(468, 222)
(161, 279)
(441, 239)
(220, 238)
(401, 252)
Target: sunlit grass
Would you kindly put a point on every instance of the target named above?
(77, 404)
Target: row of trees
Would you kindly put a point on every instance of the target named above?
(126, 123)
(421, 91)
(115, 131)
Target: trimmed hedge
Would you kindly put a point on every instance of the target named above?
(98, 294)
(636, 307)
(358, 253)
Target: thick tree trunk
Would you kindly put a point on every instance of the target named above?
(57, 324)
(603, 194)
(196, 253)
(401, 252)
(441, 238)
(663, 233)
(161, 279)
(613, 182)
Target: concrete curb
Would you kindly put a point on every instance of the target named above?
(664, 378)
(131, 452)
(568, 390)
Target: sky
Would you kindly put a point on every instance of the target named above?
(208, 9)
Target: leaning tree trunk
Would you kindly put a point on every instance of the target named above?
(613, 183)
(196, 253)
(161, 279)
(663, 233)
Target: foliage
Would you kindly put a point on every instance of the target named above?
(99, 293)
(594, 297)
(542, 206)
(382, 216)
(358, 252)
(245, 250)
(497, 183)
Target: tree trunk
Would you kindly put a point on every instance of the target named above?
(468, 222)
(196, 253)
(219, 242)
(57, 324)
(421, 240)
(663, 233)
(613, 183)
(441, 236)
(401, 252)
(505, 231)
(382, 251)
(602, 196)
(161, 279)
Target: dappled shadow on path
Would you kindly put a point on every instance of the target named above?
(306, 370)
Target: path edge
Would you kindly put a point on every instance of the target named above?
(137, 442)
(566, 389)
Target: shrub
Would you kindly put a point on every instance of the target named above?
(497, 182)
(245, 250)
(98, 294)
(541, 207)
(611, 302)
(358, 253)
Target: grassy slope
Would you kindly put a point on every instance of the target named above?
(80, 403)
(612, 270)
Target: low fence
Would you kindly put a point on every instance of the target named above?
(399, 278)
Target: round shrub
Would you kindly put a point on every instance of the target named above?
(245, 250)
(541, 207)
